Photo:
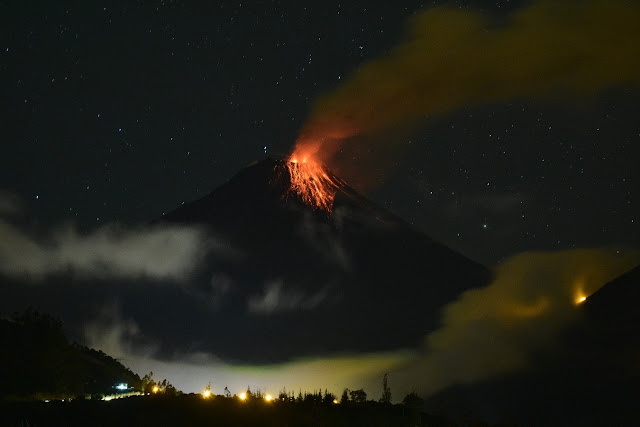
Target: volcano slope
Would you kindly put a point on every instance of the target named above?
(306, 281)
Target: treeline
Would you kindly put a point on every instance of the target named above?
(37, 362)
(317, 397)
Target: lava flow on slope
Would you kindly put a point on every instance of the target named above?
(312, 182)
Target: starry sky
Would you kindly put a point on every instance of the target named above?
(120, 111)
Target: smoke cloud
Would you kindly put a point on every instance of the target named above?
(495, 330)
(452, 58)
(166, 252)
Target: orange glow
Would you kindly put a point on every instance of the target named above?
(580, 296)
(206, 393)
(268, 398)
(311, 182)
(156, 389)
(243, 396)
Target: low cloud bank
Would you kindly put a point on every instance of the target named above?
(487, 332)
(120, 337)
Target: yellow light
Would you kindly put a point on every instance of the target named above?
(268, 397)
(335, 401)
(156, 389)
(579, 297)
(206, 394)
(243, 396)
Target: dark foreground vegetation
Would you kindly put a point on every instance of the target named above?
(46, 380)
(193, 409)
(37, 362)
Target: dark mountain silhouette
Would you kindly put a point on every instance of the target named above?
(297, 281)
(302, 273)
(38, 362)
(590, 379)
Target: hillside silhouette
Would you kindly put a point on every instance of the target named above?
(37, 362)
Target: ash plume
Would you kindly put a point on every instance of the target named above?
(452, 58)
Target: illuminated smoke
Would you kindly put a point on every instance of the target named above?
(492, 331)
(453, 58)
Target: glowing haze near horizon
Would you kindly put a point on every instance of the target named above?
(486, 332)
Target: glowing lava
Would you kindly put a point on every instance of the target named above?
(312, 183)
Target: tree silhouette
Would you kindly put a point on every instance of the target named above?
(413, 401)
(345, 396)
(358, 396)
(386, 391)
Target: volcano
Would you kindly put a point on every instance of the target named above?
(302, 272)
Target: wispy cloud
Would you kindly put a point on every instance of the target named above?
(115, 334)
(324, 240)
(278, 299)
(163, 252)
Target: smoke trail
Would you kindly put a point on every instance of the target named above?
(452, 58)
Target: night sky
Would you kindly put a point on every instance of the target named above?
(119, 112)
